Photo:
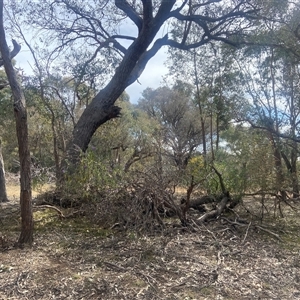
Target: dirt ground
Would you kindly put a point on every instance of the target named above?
(73, 259)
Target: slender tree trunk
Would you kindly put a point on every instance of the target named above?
(277, 164)
(217, 132)
(293, 122)
(212, 137)
(3, 194)
(276, 141)
(202, 121)
(47, 104)
(294, 173)
(26, 236)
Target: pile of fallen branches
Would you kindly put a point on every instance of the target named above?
(142, 204)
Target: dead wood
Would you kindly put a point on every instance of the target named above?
(216, 212)
(270, 232)
(199, 202)
(242, 223)
(60, 213)
(50, 207)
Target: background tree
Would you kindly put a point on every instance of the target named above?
(4, 92)
(74, 26)
(26, 236)
(173, 109)
(3, 194)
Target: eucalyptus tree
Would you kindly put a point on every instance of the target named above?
(122, 36)
(174, 110)
(19, 107)
(4, 123)
(270, 78)
(211, 69)
(54, 104)
(3, 193)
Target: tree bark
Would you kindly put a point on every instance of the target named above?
(26, 236)
(216, 212)
(101, 109)
(3, 194)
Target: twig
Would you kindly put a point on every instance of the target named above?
(147, 279)
(270, 232)
(50, 207)
(114, 266)
(61, 214)
(213, 235)
(246, 233)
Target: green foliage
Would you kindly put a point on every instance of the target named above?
(8, 127)
(92, 177)
(247, 160)
(196, 168)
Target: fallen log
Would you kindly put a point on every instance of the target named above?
(216, 212)
(199, 202)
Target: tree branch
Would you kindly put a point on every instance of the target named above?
(164, 11)
(195, 6)
(141, 64)
(284, 136)
(13, 53)
(130, 12)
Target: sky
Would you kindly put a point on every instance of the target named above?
(151, 77)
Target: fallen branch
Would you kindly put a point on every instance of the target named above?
(235, 223)
(244, 239)
(198, 202)
(216, 212)
(61, 214)
(270, 232)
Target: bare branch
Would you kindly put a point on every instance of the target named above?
(130, 12)
(195, 6)
(271, 130)
(181, 46)
(141, 64)
(196, 18)
(13, 53)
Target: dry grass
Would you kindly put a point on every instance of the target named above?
(13, 190)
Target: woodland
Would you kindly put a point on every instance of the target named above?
(184, 194)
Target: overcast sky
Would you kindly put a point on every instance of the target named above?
(151, 77)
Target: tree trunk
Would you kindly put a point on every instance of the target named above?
(294, 173)
(101, 109)
(3, 194)
(198, 96)
(26, 236)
